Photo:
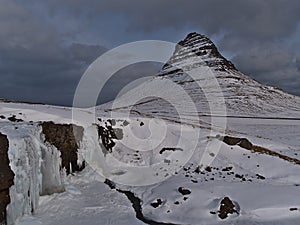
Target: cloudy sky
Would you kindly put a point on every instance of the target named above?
(45, 46)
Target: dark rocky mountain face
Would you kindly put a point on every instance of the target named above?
(198, 45)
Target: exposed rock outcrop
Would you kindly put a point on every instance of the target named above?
(246, 144)
(6, 178)
(242, 142)
(184, 191)
(108, 134)
(66, 138)
(226, 207)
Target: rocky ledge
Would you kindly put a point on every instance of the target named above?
(66, 138)
(6, 178)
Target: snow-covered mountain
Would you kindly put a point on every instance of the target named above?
(243, 95)
(159, 165)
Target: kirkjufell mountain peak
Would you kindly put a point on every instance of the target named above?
(243, 95)
(195, 44)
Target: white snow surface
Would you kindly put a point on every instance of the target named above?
(87, 200)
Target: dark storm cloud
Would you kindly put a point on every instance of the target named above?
(125, 77)
(46, 45)
(270, 63)
(44, 74)
(251, 18)
(261, 59)
(298, 63)
(35, 63)
(255, 31)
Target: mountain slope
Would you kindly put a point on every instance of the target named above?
(243, 95)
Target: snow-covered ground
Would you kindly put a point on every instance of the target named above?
(88, 200)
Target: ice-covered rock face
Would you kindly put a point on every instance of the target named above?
(66, 138)
(34, 160)
(6, 178)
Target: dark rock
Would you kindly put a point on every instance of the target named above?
(227, 168)
(260, 177)
(293, 209)
(226, 207)
(239, 176)
(170, 149)
(66, 138)
(142, 124)
(184, 191)
(157, 203)
(14, 119)
(6, 178)
(197, 170)
(106, 138)
(108, 134)
(208, 169)
(242, 142)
